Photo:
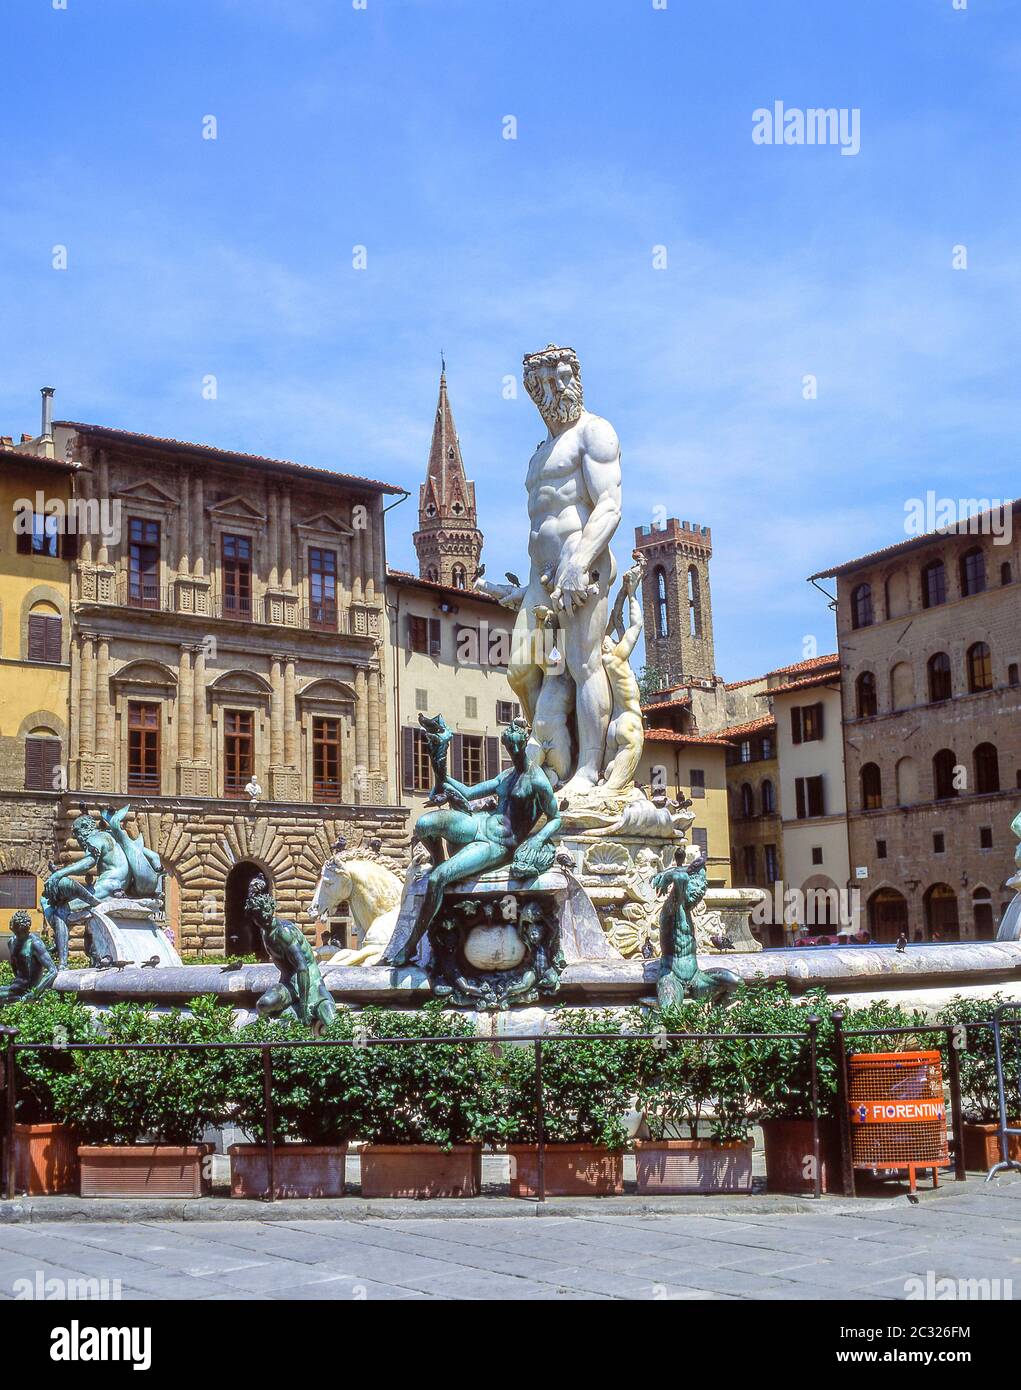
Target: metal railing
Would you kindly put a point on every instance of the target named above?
(1006, 1129)
(11, 1047)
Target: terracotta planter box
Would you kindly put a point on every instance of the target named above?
(299, 1170)
(982, 1147)
(666, 1166)
(788, 1145)
(45, 1159)
(144, 1170)
(421, 1170)
(571, 1170)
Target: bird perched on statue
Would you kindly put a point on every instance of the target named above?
(151, 963)
(512, 579)
(565, 860)
(721, 941)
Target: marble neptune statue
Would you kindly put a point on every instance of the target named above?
(568, 666)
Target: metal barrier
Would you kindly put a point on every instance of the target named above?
(11, 1047)
(1006, 1131)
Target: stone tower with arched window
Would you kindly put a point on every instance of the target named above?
(448, 539)
(677, 600)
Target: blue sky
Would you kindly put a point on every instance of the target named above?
(383, 127)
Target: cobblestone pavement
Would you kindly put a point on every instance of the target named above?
(882, 1248)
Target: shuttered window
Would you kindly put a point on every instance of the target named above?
(44, 637)
(143, 747)
(416, 770)
(326, 759)
(42, 760)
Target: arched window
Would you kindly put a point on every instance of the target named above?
(973, 571)
(906, 773)
(982, 909)
(18, 888)
(861, 606)
(662, 606)
(768, 798)
(694, 603)
(45, 633)
(980, 667)
(871, 787)
(940, 683)
(987, 768)
(898, 598)
(433, 574)
(902, 685)
(1006, 573)
(934, 584)
(865, 695)
(42, 762)
(943, 765)
(747, 800)
(941, 912)
(459, 577)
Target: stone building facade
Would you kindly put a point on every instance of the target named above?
(228, 669)
(677, 600)
(929, 633)
(35, 667)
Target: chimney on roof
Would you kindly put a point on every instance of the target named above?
(47, 421)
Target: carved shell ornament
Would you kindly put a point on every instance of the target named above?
(607, 858)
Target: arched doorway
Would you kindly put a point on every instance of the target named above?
(242, 939)
(888, 915)
(982, 905)
(941, 913)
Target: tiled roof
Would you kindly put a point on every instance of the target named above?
(753, 726)
(823, 678)
(814, 663)
(682, 703)
(406, 577)
(230, 455)
(16, 456)
(969, 526)
(672, 736)
(736, 685)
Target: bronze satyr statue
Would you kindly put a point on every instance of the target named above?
(518, 831)
(34, 971)
(300, 991)
(680, 977)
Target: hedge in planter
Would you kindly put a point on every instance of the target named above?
(685, 1083)
(976, 1056)
(589, 1087)
(141, 1113)
(46, 1158)
(319, 1100)
(428, 1109)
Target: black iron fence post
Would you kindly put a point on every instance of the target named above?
(956, 1115)
(813, 1040)
(267, 1098)
(540, 1125)
(843, 1113)
(10, 1081)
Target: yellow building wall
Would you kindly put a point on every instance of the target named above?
(672, 762)
(33, 696)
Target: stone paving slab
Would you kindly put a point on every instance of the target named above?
(690, 1250)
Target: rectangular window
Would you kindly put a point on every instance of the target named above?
(472, 759)
(766, 747)
(322, 589)
(696, 782)
(811, 723)
(42, 764)
(237, 577)
(143, 747)
(326, 759)
(700, 839)
(745, 751)
(44, 637)
(418, 633)
(750, 868)
(421, 700)
(939, 844)
(238, 751)
(772, 868)
(418, 774)
(43, 539)
(507, 711)
(985, 837)
(17, 890)
(809, 798)
(880, 849)
(471, 707)
(817, 854)
(143, 562)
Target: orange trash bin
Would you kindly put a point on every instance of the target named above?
(898, 1112)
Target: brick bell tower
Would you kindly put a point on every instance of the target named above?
(448, 539)
(677, 601)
